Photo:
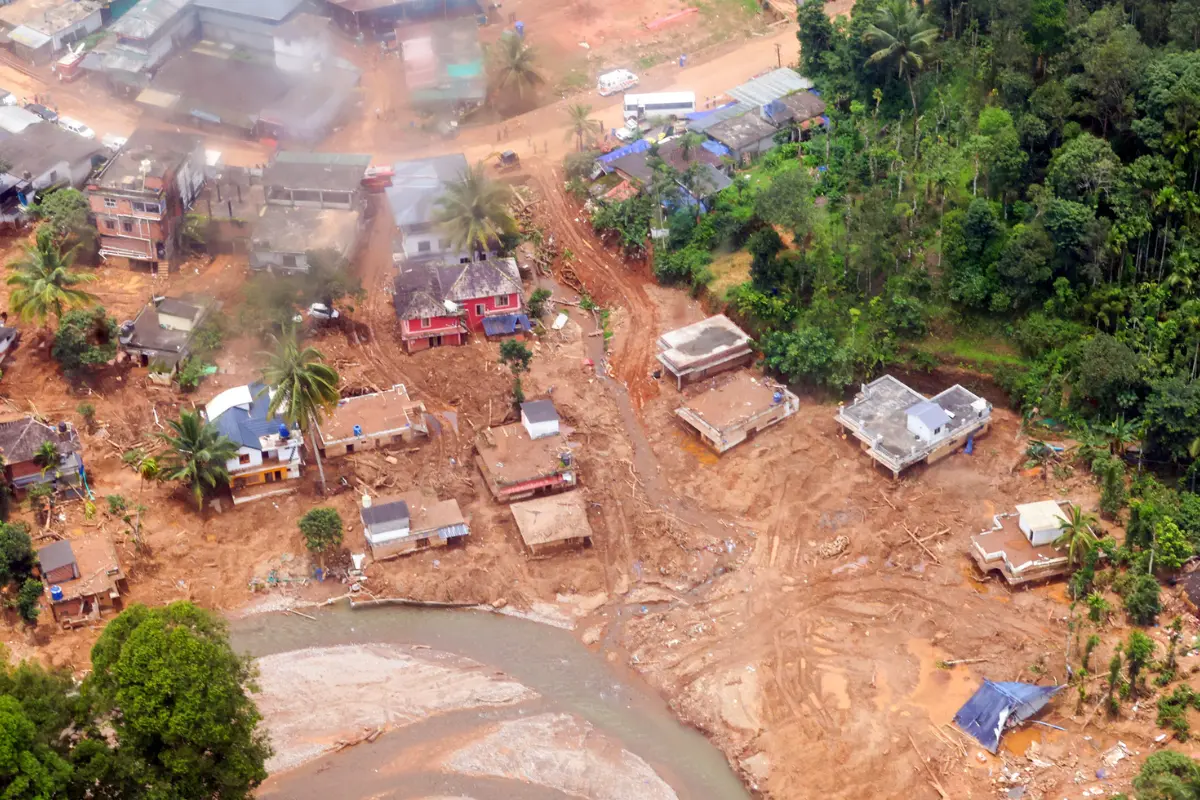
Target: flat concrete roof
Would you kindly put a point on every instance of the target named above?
(509, 456)
(1041, 515)
(698, 344)
(552, 519)
(283, 229)
(378, 412)
(740, 397)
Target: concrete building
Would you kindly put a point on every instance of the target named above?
(703, 349)
(552, 524)
(521, 460)
(38, 29)
(161, 334)
(268, 451)
(443, 64)
(370, 421)
(19, 442)
(383, 16)
(412, 197)
(439, 303)
(745, 136)
(409, 522)
(143, 38)
(40, 155)
(898, 426)
(83, 578)
(731, 410)
(316, 180)
(140, 197)
(1020, 545)
(540, 418)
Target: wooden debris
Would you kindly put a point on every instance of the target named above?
(886, 500)
(921, 544)
(299, 614)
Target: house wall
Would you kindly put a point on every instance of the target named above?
(65, 573)
(504, 304)
(437, 244)
(422, 541)
(539, 430)
(263, 259)
(89, 24)
(413, 327)
(304, 54)
(343, 199)
(448, 340)
(1041, 536)
(218, 26)
(917, 427)
(369, 441)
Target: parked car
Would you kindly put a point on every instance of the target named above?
(43, 112)
(322, 312)
(631, 132)
(76, 127)
(113, 143)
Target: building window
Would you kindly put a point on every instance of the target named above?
(53, 176)
(479, 309)
(425, 322)
(424, 246)
(110, 203)
(443, 244)
(289, 260)
(127, 227)
(146, 208)
(243, 458)
(504, 300)
(110, 224)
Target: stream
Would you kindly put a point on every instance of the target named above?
(570, 679)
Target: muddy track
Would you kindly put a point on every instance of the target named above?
(607, 279)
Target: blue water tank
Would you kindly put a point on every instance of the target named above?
(56, 593)
(283, 431)
(358, 430)
(778, 397)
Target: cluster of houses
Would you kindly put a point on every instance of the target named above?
(776, 105)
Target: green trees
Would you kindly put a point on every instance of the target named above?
(184, 717)
(517, 356)
(473, 211)
(1168, 775)
(1138, 650)
(85, 339)
(537, 303)
(303, 387)
(579, 118)
(1142, 600)
(1076, 535)
(322, 531)
(65, 212)
(1171, 547)
(28, 768)
(513, 73)
(44, 284)
(196, 454)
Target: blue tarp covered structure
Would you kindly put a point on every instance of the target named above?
(997, 706)
(505, 324)
(640, 146)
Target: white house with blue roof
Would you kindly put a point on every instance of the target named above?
(268, 450)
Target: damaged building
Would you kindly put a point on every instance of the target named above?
(731, 410)
(371, 421)
(552, 524)
(899, 427)
(160, 336)
(1020, 545)
(527, 458)
(412, 521)
(704, 349)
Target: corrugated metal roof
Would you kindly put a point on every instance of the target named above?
(999, 705)
(24, 35)
(506, 324)
(775, 84)
(273, 10)
(147, 17)
(731, 111)
(339, 159)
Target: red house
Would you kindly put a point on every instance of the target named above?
(439, 304)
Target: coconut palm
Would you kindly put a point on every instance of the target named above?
(902, 37)
(197, 454)
(688, 144)
(581, 123)
(45, 282)
(474, 210)
(1076, 535)
(303, 387)
(514, 69)
(46, 456)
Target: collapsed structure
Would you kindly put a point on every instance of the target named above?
(83, 578)
(550, 524)
(162, 332)
(899, 427)
(20, 441)
(1020, 545)
(528, 457)
(728, 412)
(409, 522)
(703, 349)
(368, 421)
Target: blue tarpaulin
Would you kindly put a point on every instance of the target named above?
(997, 706)
(505, 324)
(640, 146)
(716, 148)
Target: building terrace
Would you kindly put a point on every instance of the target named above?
(899, 427)
(516, 465)
(703, 349)
(1020, 545)
(371, 420)
(729, 411)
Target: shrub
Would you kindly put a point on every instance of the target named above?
(1142, 600)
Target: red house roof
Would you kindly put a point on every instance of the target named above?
(423, 288)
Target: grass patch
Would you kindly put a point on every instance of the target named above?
(974, 350)
(728, 270)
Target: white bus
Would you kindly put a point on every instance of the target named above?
(662, 104)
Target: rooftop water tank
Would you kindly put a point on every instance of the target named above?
(56, 593)
(777, 397)
(284, 433)
(358, 430)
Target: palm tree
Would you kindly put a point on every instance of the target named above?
(198, 453)
(46, 456)
(514, 67)
(1076, 535)
(474, 210)
(303, 387)
(902, 36)
(581, 123)
(688, 144)
(44, 281)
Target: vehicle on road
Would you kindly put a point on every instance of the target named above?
(507, 161)
(670, 105)
(76, 127)
(113, 142)
(619, 80)
(322, 312)
(45, 113)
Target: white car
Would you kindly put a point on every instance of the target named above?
(630, 133)
(323, 312)
(113, 142)
(76, 127)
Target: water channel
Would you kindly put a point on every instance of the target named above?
(570, 679)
